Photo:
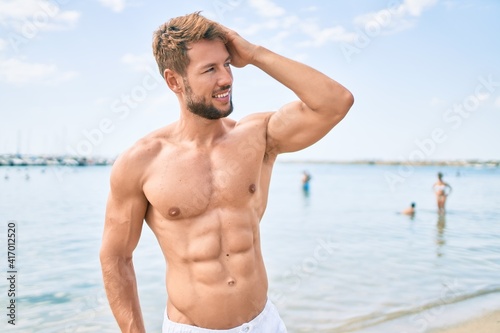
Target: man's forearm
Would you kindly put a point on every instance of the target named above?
(319, 92)
(121, 290)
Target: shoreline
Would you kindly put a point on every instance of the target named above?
(77, 160)
(486, 323)
(479, 314)
(451, 163)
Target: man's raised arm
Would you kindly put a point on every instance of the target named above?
(322, 104)
(125, 212)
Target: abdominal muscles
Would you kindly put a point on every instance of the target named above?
(215, 270)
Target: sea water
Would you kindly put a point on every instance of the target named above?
(340, 258)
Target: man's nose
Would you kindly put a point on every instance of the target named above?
(226, 77)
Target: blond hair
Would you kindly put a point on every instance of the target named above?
(172, 40)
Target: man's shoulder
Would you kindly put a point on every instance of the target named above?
(256, 125)
(142, 151)
(135, 160)
(255, 120)
(256, 117)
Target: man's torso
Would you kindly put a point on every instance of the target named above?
(205, 205)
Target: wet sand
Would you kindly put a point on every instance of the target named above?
(488, 323)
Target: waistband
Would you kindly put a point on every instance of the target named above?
(268, 311)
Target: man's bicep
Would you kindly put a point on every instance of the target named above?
(123, 224)
(125, 208)
(295, 127)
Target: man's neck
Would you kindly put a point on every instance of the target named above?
(198, 130)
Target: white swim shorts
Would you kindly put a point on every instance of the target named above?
(268, 321)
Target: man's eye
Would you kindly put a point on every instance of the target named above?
(211, 69)
(227, 64)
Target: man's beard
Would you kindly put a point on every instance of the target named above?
(202, 108)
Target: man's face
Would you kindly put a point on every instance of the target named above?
(202, 107)
(208, 80)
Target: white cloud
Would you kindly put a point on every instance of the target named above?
(257, 27)
(293, 26)
(18, 9)
(115, 5)
(65, 20)
(416, 7)
(29, 17)
(320, 36)
(395, 18)
(497, 102)
(20, 72)
(139, 62)
(399, 17)
(267, 8)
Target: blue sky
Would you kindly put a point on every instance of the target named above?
(79, 77)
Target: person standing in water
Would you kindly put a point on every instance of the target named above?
(306, 178)
(442, 190)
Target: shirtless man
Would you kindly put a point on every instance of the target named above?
(201, 183)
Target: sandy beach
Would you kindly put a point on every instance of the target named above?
(488, 323)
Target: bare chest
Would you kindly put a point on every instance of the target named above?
(185, 184)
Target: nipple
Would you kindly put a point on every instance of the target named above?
(252, 188)
(174, 211)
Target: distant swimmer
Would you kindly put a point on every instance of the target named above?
(410, 210)
(306, 178)
(442, 190)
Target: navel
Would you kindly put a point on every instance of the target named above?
(252, 188)
(174, 211)
(231, 282)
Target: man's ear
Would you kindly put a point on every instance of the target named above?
(173, 80)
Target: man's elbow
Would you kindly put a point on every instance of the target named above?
(109, 258)
(106, 260)
(347, 100)
(341, 106)
(339, 101)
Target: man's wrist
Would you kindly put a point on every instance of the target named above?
(260, 56)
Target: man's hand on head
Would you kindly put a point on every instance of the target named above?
(242, 52)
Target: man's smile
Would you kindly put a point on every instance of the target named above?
(222, 95)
